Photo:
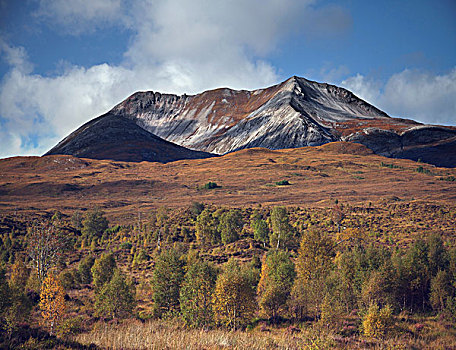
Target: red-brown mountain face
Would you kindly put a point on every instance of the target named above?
(295, 113)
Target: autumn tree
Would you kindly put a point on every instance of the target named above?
(94, 223)
(19, 274)
(338, 215)
(282, 231)
(234, 296)
(276, 280)
(196, 294)
(44, 246)
(230, 225)
(313, 266)
(102, 270)
(166, 282)
(52, 301)
(116, 299)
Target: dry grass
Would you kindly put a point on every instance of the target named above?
(172, 335)
(157, 334)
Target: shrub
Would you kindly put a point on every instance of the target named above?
(282, 183)
(210, 185)
(377, 322)
(66, 278)
(125, 245)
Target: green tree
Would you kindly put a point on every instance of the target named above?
(196, 294)
(167, 279)
(102, 270)
(276, 280)
(260, 228)
(437, 254)
(230, 225)
(234, 296)
(5, 293)
(84, 269)
(282, 231)
(206, 228)
(416, 266)
(117, 297)
(94, 223)
(441, 291)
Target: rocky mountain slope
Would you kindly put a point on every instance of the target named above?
(295, 113)
(117, 138)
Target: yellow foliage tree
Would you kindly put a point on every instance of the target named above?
(52, 301)
(234, 296)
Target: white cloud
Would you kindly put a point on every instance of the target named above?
(176, 46)
(417, 95)
(78, 16)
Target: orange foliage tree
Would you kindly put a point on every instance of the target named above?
(52, 301)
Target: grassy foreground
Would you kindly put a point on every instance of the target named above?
(410, 333)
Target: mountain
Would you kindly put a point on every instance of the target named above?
(113, 137)
(295, 113)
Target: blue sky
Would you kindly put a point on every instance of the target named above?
(63, 62)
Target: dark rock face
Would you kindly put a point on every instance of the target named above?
(294, 113)
(117, 138)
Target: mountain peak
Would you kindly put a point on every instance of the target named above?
(295, 113)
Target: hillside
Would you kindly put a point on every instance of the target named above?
(113, 137)
(317, 176)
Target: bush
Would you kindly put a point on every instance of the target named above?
(282, 183)
(210, 185)
(66, 278)
(125, 245)
(377, 322)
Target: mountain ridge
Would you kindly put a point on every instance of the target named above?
(295, 113)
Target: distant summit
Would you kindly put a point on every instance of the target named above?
(117, 138)
(295, 113)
